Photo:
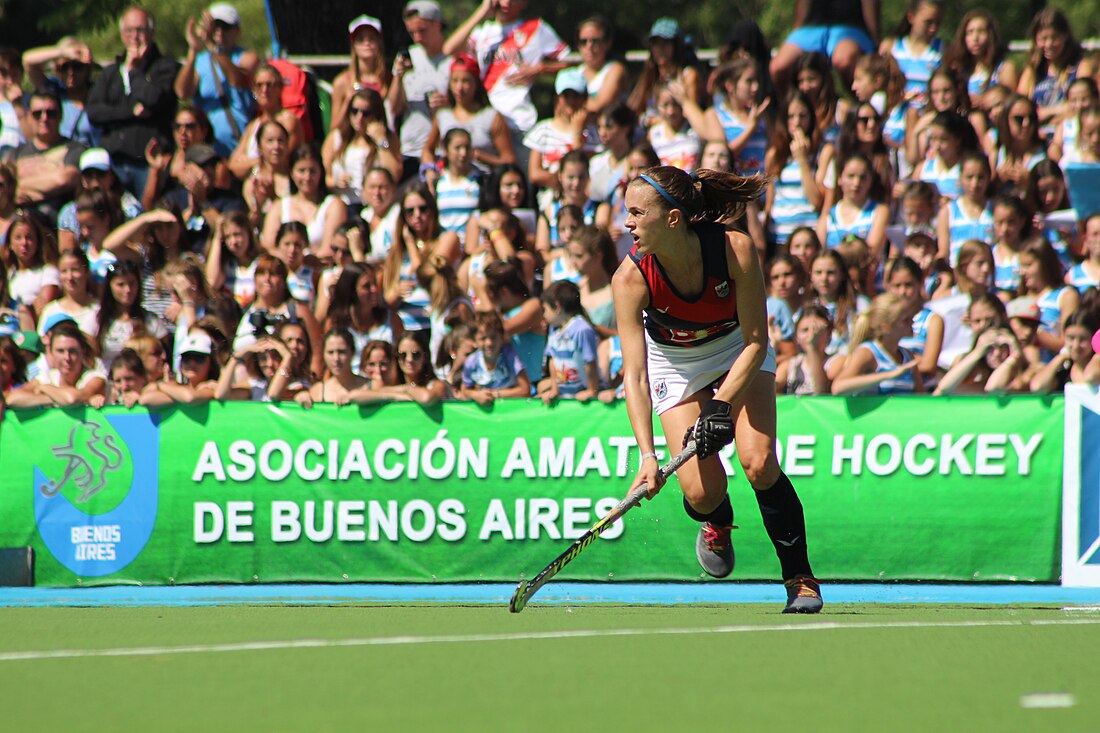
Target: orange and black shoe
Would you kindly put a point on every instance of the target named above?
(803, 595)
(714, 549)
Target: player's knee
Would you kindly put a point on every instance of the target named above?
(761, 467)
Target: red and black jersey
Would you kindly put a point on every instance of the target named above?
(676, 320)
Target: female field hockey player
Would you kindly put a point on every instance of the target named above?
(690, 306)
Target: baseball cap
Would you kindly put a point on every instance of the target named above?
(225, 13)
(571, 80)
(364, 20)
(28, 341)
(95, 159)
(1023, 307)
(426, 9)
(465, 62)
(200, 154)
(53, 319)
(197, 342)
(667, 28)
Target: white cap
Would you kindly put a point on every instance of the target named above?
(197, 342)
(225, 12)
(95, 159)
(364, 20)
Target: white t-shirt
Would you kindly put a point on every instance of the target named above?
(553, 143)
(426, 76)
(499, 49)
(85, 318)
(25, 285)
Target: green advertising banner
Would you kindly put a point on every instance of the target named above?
(961, 489)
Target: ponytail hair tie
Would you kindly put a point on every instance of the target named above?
(694, 176)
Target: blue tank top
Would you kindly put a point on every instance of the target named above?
(884, 363)
(751, 158)
(861, 227)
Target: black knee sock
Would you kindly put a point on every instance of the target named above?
(722, 516)
(786, 526)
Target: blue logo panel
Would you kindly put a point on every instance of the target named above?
(94, 545)
(1089, 528)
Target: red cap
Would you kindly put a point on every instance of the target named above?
(465, 62)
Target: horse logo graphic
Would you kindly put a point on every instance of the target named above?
(89, 457)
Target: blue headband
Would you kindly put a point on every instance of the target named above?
(664, 194)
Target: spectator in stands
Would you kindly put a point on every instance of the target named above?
(448, 304)
(671, 59)
(1083, 93)
(378, 364)
(841, 31)
(740, 119)
(77, 299)
(167, 167)
(878, 364)
(1019, 145)
(813, 76)
(417, 378)
(859, 211)
(71, 378)
(976, 57)
(47, 164)
(425, 75)
(357, 307)
(862, 132)
(132, 100)
(96, 174)
(269, 180)
(217, 74)
(341, 385)
(512, 53)
(507, 189)
(199, 370)
(1076, 362)
(903, 278)
(130, 384)
(831, 287)
(674, 136)
(795, 168)
(944, 94)
(612, 214)
(1056, 59)
(571, 186)
(31, 259)
(500, 236)
(808, 371)
(786, 281)
(362, 141)
(458, 187)
(615, 127)
(13, 366)
(418, 237)
(915, 46)
(121, 314)
(258, 373)
(267, 91)
(291, 243)
(71, 81)
(231, 258)
(9, 183)
(380, 212)
(1086, 274)
(467, 106)
(297, 340)
(995, 364)
(550, 139)
(950, 137)
(366, 69)
(570, 346)
(274, 304)
(1012, 228)
(970, 216)
(199, 196)
(972, 275)
(309, 202)
(605, 77)
(153, 355)
(591, 254)
(494, 371)
(1042, 278)
(505, 290)
(12, 107)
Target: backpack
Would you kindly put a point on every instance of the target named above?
(300, 97)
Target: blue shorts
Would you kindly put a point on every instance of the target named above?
(825, 38)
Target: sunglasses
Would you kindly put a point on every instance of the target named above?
(193, 357)
(409, 355)
(866, 120)
(185, 125)
(361, 111)
(70, 66)
(423, 209)
(51, 114)
(1020, 119)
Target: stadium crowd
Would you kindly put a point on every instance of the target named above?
(181, 231)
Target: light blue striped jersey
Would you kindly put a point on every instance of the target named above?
(751, 158)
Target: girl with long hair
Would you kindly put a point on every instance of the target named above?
(878, 364)
(309, 202)
(977, 57)
(796, 169)
(358, 308)
(362, 141)
(267, 90)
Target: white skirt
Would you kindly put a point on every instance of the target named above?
(677, 372)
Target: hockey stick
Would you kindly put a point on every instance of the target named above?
(528, 588)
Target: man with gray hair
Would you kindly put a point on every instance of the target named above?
(132, 100)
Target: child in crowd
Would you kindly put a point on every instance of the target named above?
(494, 370)
(129, 384)
(1086, 274)
(673, 136)
(807, 372)
(742, 119)
(1076, 362)
(832, 289)
(570, 347)
(915, 47)
(879, 364)
(1012, 226)
(796, 169)
(1042, 278)
(550, 139)
(904, 279)
(970, 216)
(860, 210)
(950, 136)
(458, 188)
(572, 179)
(804, 245)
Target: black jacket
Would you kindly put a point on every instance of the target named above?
(112, 109)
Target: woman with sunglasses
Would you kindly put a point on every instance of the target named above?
(468, 107)
(417, 379)
(366, 68)
(190, 127)
(418, 237)
(199, 370)
(362, 141)
(267, 90)
(1020, 146)
(71, 81)
(605, 76)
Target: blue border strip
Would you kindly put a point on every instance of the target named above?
(559, 594)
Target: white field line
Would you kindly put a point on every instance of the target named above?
(259, 646)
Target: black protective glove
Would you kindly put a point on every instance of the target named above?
(713, 430)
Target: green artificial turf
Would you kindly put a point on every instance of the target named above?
(897, 668)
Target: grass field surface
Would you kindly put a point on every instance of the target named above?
(859, 667)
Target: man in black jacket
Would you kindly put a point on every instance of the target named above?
(133, 101)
